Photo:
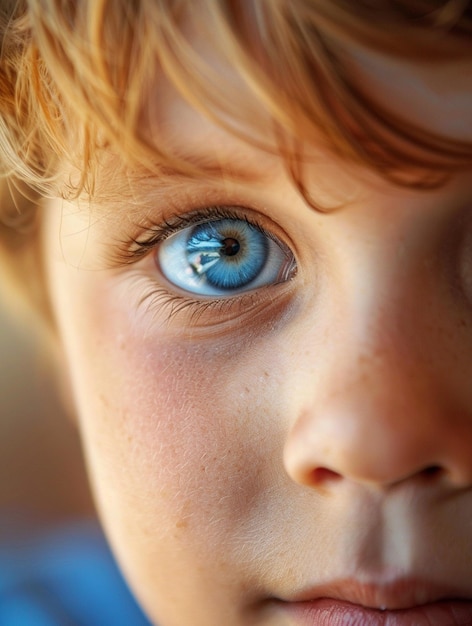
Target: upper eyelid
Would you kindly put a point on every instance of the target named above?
(151, 234)
(198, 216)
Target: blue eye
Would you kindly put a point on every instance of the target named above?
(224, 257)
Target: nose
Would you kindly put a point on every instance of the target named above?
(388, 411)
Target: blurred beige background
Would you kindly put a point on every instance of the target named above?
(41, 470)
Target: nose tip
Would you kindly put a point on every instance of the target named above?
(382, 437)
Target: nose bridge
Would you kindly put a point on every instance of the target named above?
(377, 407)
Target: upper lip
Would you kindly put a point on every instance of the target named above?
(401, 593)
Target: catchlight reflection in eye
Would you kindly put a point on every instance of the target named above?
(224, 257)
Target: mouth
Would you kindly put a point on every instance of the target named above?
(403, 603)
(331, 612)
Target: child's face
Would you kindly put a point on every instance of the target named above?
(276, 406)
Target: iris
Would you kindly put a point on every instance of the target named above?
(230, 253)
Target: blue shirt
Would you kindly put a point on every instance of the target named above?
(65, 576)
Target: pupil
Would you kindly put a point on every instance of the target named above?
(230, 246)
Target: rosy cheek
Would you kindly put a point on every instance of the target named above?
(175, 429)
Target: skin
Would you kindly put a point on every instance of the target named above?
(317, 430)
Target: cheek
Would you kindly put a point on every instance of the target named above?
(179, 437)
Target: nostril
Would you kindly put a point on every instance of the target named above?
(322, 475)
(431, 472)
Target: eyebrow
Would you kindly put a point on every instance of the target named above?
(250, 162)
(134, 192)
(205, 168)
(118, 181)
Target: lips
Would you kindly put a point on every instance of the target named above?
(404, 602)
(331, 612)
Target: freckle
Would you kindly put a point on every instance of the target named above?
(182, 524)
(104, 400)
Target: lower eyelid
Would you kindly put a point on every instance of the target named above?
(184, 314)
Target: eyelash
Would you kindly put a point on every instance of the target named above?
(159, 233)
(161, 299)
